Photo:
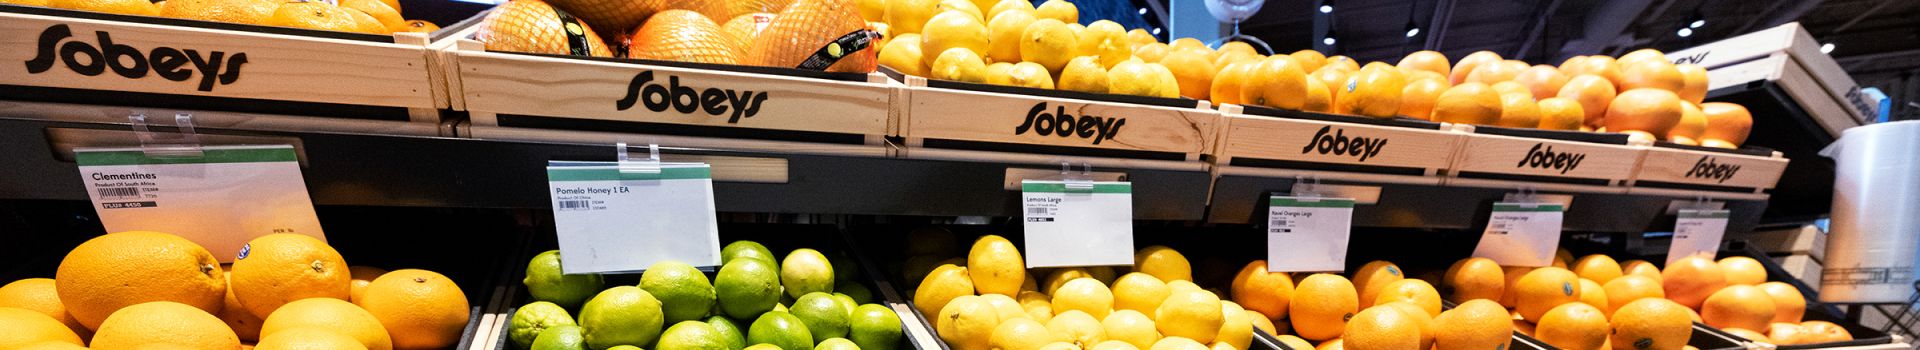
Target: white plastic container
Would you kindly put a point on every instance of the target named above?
(1876, 215)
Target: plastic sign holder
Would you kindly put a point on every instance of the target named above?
(1076, 221)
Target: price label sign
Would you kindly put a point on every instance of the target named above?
(1308, 233)
(612, 221)
(1521, 234)
(1697, 232)
(220, 199)
(1083, 224)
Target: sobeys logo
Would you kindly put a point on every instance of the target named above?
(1706, 168)
(129, 62)
(1547, 159)
(1338, 144)
(1062, 124)
(683, 99)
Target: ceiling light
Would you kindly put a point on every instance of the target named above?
(1143, 11)
(1826, 48)
(1326, 8)
(1697, 23)
(1156, 31)
(1328, 41)
(1413, 31)
(1686, 32)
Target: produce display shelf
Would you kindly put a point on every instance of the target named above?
(1863, 336)
(1547, 160)
(966, 121)
(86, 57)
(1257, 141)
(1670, 168)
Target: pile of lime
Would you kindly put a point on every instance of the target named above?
(753, 302)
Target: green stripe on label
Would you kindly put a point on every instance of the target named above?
(1527, 207)
(211, 155)
(614, 174)
(1050, 187)
(1705, 214)
(1320, 203)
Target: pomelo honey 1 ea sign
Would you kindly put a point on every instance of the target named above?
(974, 116)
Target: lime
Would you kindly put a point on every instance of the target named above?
(824, 315)
(858, 292)
(623, 315)
(780, 308)
(843, 267)
(763, 347)
(747, 287)
(736, 339)
(684, 292)
(806, 271)
(746, 249)
(846, 302)
(534, 318)
(780, 329)
(691, 335)
(875, 327)
(546, 282)
(566, 337)
(624, 347)
(836, 344)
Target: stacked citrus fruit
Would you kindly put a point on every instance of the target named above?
(756, 300)
(136, 289)
(1013, 42)
(363, 16)
(809, 34)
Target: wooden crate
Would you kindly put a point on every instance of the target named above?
(603, 94)
(1266, 142)
(1667, 169)
(1517, 158)
(70, 54)
(942, 118)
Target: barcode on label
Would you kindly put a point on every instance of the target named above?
(1496, 232)
(1277, 222)
(119, 192)
(1037, 211)
(574, 205)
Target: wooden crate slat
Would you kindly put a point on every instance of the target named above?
(960, 115)
(1681, 166)
(1299, 140)
(1598, 164)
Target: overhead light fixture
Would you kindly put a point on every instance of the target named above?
(1685, 32)
(1411, 32)
(1826, 48)
(1326, 6)
(1156, 31)
(1143, 11)
(1329, 40)
(1412, 28)
(1696, 20)
(1697, 23)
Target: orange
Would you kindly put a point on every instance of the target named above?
(1277, 82)
(309, 338)
(1321, 305)
(1789, 334)
(1571, 63)
(1543, 289)
(533, 26)
(1561, 114)
(1727, 125)
(683, 36)
(1687, 132)
(1152, 52)
(1373, 278)
(1417, 99)
(124, 7)
(1473, 278)
(365, 23)
(1477, 324)
(1693, 86)
(1517, 110)
(1266, 292)
(38, 295)
(318, 16)
(1747, 334)
(362, 275)
(388, 16)
(1319, 98)
(25, 327)
(1228, 82)
(1640, 267)
(1743, 270)
(1420, 317)
(331, 314)
(1426, 60)
(805, 27)
(1593, 92)
(1788, 304)
(1230, 57)
(1573, 326)
(1373, 92)
(228, 11)
(1650, 324)
(243, 322)
(1413, 291)
(1331, 345)
(1468, 103)
(1510, 87)
(1543, 80)
(1653, 74)
(1467, 64)
(1335, 79)
(1495, 72)
(1592, 293)
(1562, 257)
(1643, 55)
(1381, 328)
(1310, 60)
(164, 322)
(420, 26)
(1601, 66)
(1193, 71)
(121, 269)
(1826, 332)
(1597, 267)
(1738, 306)
(1689, 280)
(275, 269)
(1511, 275)
(53, 345)
(421, 309)
(1343, 63)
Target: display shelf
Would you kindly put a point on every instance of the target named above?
(1546, 160)
(1668, 168)
(1403, 151)
(1863, 336)
(956, 120)
(155, 62)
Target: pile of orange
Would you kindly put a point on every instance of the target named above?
(132, 289)
(776, 33)
(363, 16)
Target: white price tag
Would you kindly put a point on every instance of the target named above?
(1071, 226)
(1697, 232)
(1308, 233)
(610, 221)
(1521, 234)
(219, 200)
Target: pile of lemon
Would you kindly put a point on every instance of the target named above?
(1015, 43)
(363, 16)
(142, 289)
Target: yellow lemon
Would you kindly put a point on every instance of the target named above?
(909, 16)
(1139, 292)
(1038, 306)
(1106, 40)
(1003, 43)
(903, 54)
(1235, 329)
(1029, 74)
(1163, 263)
(1005, 306)
(952, 29)
(1059, 277)
(963, 6)
(1021, 334)
(960, 64)
(1085, 295)
(1132, 327)
(994, 263)
(1132, 78)
(1048, 42)
(940, 287)
(1083, 74)
(967, 323)
(999, 73)
(1191, 314)
(1077, 327)
(1060, 10)
(1009, 5)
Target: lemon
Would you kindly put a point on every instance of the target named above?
(940, 287)
(960, 64)
(1083, 74)
(1183, 43)
(1027, 74)
(1005, 306)
(872, 10)
(1163, 263)
(1048, 42)
(1084, 294)
(1114, 345)
(1152, 52)
(903, 54)
(1133, 78)
(1060, 10)
(1038, 306)
(1177, 343)
(1235, 328)
(997, 73)
(1139, 292)
(1060, 276)
(1021, 334)
(1132, 327)
(1139, 37)
(1191, 314)
(909, 16)
(963, 6)
(1010, 5)
(953, 29)
(1107, 40)
(1078, 328)
(1003, 41)
(993, 263)
(967, 323)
